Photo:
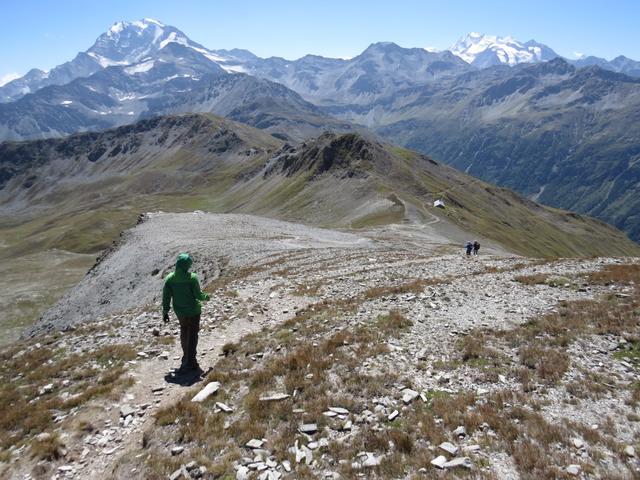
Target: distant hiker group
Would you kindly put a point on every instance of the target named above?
(472, 247)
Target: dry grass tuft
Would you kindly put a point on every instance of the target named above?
(550, 364)
(49, 448)
(626, 274)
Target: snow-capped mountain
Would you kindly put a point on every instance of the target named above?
(127, 43)
(138, 45)
(143, 68)
(486, 50)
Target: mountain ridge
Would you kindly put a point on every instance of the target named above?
(230, 167)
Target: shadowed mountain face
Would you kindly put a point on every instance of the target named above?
(114, 97)
(78, 193)
(564, 136)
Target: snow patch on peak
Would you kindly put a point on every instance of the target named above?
(118, 27)
(154, 21)
(147, 22)
(173, 37)
(140, 67)
(106, 62)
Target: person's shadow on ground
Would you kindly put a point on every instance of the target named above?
(185, 379)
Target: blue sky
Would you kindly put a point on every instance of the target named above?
(46, 33)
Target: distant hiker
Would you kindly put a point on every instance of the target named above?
(469, 247)
(183, 288)
(476, 247)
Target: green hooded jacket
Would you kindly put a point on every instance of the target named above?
(183, 288)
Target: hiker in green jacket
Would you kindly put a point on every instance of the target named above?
(183, 288)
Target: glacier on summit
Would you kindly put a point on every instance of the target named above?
(486, 50)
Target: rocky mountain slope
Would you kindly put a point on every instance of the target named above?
(333, 355)
(99, 182)
(566, 137)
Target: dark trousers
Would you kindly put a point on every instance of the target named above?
(189, 328)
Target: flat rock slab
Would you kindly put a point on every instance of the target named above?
(126, 410)
(206, 392)
(254, 443)
(339, 410)
(409, 395)
(224, 407)
(439, 461)
(308, 428)
(463, 462)
(275, 397)
(177, 450)
(449, 448)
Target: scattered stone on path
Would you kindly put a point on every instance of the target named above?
(460, 432)
(577, 443)
(308, 428)
(449, 448)
(206, 392)
(366, 460)
(254, 443)
(242, 473)
(177, 450)
(464, 462)
(126, 410)
(48, 388)
(409, 395)
(275, 397)
(439, 461)
(224, 407)
(180, 473)
(339, 410)
(574, 470)
(629, 451)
